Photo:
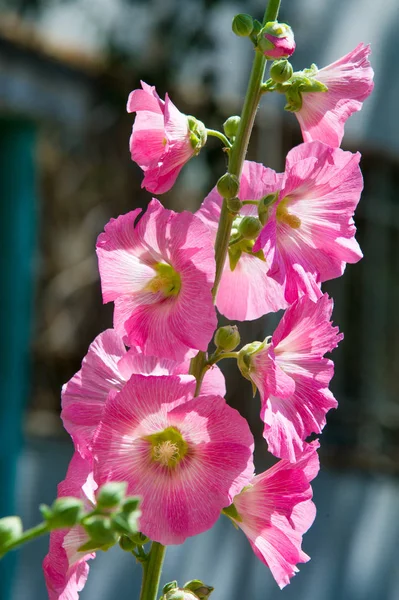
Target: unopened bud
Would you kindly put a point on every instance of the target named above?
(230, 126)
(242, 25)
(126, 543)
(249, 227)
(200, 589)
(10, 529)
(111, 494)
(276, 40)
(234, 205)
(227, 338)
(281, 71)
(228, 186)
(131, 504)
(65, 512)
(100, 529)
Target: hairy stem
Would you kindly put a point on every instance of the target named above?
(152, 572)
(27, 536)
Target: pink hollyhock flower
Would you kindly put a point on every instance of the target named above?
(293, 377)
(65, 568)
(107, 367)
(349, 80)
(310, 234)
(246, 291)
(275, 510)
(172, 448)
(163, 138)
(160, 274)
(276, 40)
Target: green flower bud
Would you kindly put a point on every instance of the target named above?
(242, 25)
(111, 494)
(234, 205)
(10, 530)
(126, 524)
(65, 512)
(228, 186)
(230, 126)
(281, 71)
(249, 228)
(227, 338)
(198, 135)
(100, 530)
(126, 543)
(139, 538)
(199, 588)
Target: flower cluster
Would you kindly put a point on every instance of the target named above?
(135, 411)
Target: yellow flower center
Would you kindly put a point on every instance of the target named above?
(284, 216)
(168, 447)
(167, 281)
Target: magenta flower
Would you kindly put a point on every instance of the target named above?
(160, 273)
(349, 81)
(276, 40)
(107, 367)
(293, 377)
(172, 448)
(310, 234)
(246, 291)
(65, 568)
(274, 512)
(163, 138)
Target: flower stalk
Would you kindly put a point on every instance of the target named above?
(152, 569)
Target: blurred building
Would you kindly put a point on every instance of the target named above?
(65, 72)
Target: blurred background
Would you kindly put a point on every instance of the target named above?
(66, 68)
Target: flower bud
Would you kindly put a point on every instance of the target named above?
(125, 524)
(281, 71)
(249, 227)
(178, 594)
(168, 587)
(276, 40)
(139, 538)
(199, 588)
(131, 504)
(227, 338)
(65, 512)
(10, 530)
(126, 543)
(228, 186)
(234, 205)
(242, 25)
(100, 530)
(230, 126)
(244, 357)
(111, 494)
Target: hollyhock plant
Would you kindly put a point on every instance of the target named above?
(163, 138)
(107, 366)
(171, 446)
(275, 510)
(245, 291)
(159, 272)
(292, 375)
(310, 235)
(349, 81)
(65, 567)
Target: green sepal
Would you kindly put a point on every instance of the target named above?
(168, 587)
(234, 256)
(232, 512)
(199, 588)
(111, 494)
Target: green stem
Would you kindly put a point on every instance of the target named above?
(216, 358)
(152, 572)
(27, 536)
(220, 135)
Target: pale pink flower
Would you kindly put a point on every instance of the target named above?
(310, 234)
(247, 292)
(106, 367)
(274, 512)
(293, 376)
(160, 273)
(349, 81)
(172, 448)
(65, 568)
(163, 138)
